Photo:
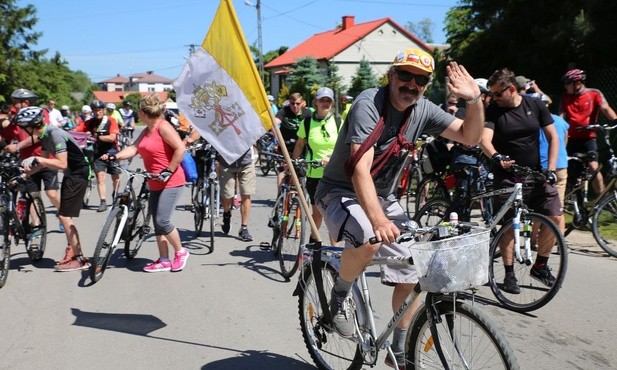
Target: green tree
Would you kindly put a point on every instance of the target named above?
(306, 77)
(16, 41)
(335, 81)
(364, 78)
(423, 29)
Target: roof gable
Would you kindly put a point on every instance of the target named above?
(328, 44)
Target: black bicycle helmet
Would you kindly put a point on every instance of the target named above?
(97, 104)
(29, 117)
(23, 94)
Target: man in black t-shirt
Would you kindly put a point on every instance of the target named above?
(513, 124)
(65, 156)
(289, 118)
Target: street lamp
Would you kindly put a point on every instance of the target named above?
(259, 45)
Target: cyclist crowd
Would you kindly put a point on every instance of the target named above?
(362, 148)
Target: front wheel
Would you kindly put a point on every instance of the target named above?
(86, 199)
(5, 250)
(134, 227)
(462, 336)
(431, 186)
(543, 235)
(104, 246)
(36, 230)
(293, 230)
(198, 207)
(264, 164)
(433, 212)
(604, 224)
(213, 202)
(327, 349)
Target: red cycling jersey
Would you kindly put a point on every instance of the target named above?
(582, 110)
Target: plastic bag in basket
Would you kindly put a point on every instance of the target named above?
(453, 264)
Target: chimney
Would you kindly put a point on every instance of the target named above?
(348, 21)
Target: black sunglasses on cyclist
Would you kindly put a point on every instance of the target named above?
(499, 93)
(406, 76)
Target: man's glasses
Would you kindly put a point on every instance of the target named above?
(405, 76)
(499, 93)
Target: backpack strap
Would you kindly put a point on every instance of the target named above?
(307, 127)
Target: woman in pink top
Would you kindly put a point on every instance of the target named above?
(161, 150)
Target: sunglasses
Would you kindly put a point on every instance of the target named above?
(295, 103)
(406, 76)
(499, 93)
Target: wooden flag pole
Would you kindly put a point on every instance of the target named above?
(294, 177)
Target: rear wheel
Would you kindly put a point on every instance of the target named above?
(36, 230)
(275, 223)
(327, 349)
(604, 224)
(293, 230)
(104, 246)
(5, 249)
(533, 293)
(465, 337)
(415, 177)
(87, 193)
(264, 164)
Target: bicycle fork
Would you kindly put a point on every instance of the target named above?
(526, 231)
(121, 224)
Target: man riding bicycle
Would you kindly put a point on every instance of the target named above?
(357, 192)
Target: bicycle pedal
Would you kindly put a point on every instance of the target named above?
(264, 246)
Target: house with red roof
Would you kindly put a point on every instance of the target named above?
(376, 41)
(113, 90)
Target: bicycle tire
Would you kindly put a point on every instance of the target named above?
(415, 178)
(433, 212)
(327, 349)
(264, 164)
(36, 236)
(431, 186)
(533, 294)
(134, 227)
(580, 220)
(604, 224)
(212, 211)
(5, 249)
(467, 338)
(86, 199)
(198, 207)
(293, 233)
(275, 223)
(104, 246)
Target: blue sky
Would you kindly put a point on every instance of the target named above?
(108, 37)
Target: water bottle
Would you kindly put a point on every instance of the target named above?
(454, 223)
(21, 208)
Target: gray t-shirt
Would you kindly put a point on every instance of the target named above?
(54, 140)
(425, 117)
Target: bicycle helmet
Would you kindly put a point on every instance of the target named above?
(482, 84)
(574, 75)
(97, 104)
(111, 106)
(86, 109)
(30, 117)
(23, 94)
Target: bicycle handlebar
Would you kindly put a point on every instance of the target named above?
(413, 230)
(296, 162)
(136, 172)
(603, 128)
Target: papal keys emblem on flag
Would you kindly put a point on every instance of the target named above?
(210, 97)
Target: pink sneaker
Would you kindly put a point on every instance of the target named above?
(158, 266)
(180, 260)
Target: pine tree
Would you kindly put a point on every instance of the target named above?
(364, 78)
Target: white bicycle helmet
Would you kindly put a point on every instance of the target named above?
(482, 84)
(111, 106)
(86, 109)
(29, 117)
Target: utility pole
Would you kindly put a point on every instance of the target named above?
(259, 44)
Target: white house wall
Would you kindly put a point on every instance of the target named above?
(379, 48)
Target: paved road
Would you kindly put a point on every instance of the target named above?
(230, 309)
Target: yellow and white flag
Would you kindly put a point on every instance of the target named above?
(219, 90)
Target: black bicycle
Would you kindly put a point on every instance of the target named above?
(266, 144)
(128, 219)
(22, 215)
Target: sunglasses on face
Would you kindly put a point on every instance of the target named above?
(295, 103)
(499, 93)
(406, 76)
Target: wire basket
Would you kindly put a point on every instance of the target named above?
(453, 264)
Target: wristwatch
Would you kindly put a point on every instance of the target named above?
(474, 100)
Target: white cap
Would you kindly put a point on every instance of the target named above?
(86, 109)
(110, 106)
(324, 92)
(64, 107)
